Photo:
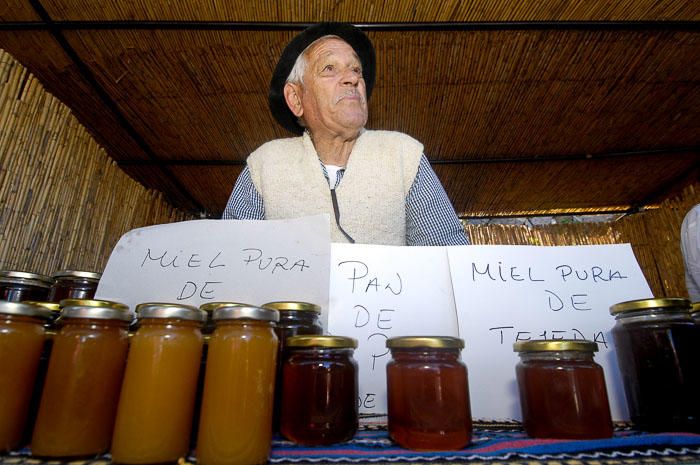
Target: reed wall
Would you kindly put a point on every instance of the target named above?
(64, 203)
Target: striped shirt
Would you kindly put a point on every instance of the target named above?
(430, 217)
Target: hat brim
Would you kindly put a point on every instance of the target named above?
(349, 33)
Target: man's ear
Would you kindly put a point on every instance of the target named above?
(292, 95)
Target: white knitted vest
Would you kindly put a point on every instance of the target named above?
(371, 196)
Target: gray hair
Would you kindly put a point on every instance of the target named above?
(296, 75)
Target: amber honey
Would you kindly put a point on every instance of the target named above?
(319, 390)
(21, 345)
(562, 390)
(156, 404)
(81, 391)
(428, 393)
(236, 415)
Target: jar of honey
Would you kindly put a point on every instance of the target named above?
(562, 390)
(17, 286)
(154, 416)
(21, 345)
(73, 284)
(319, 390)
(80, 395)
(657, 346)
(94, 303)
(207, 330)
(209, 309)
(428, 393)
(295, 318)
(235, 425)
(54, 311)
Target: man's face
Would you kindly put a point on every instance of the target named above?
(333, 96)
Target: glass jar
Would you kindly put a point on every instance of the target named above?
(71, 284)
(695, 312)
(295, 318)
(21, 345)
(236, 418)
(562, 390)
(657, 346)
(209, 308)
(319, 390)
(54, 311)
(207, 330)
(428, 393)
(80, 395)
(17, 286)
(154, 416)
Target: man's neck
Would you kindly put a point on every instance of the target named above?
(334, 150)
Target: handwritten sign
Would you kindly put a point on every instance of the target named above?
(378, 292)
(195, 262)
(506, 294)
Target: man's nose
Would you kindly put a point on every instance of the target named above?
(350, 77)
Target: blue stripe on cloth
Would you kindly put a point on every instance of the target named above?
(487, 445)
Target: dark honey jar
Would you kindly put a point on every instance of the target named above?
(18, 286)
(72, 284)
(80, 395)
(319, 390)
(428, 393)
(657, 344)
(296, 318)
(21, 344)
(562, 390)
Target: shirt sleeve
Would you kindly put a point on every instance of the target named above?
(690, 248)
(430, 216)
(245, 202)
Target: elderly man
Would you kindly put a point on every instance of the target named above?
(378, 186)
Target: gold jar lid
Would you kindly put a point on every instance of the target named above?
(293, 306)
(26, 277)
(695, 308)
(338, 342)
(239, 312)
(53, 306)
(425, 342)
(24, 309)
(170, 311)
(675, 303)
(93, 303)
(89, 275)
(561, 345)
(98, 313)
(209, 307)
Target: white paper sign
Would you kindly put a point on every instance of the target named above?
(509, 293)
(195, 262)
(378, 292)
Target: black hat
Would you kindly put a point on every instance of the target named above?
(349, 33)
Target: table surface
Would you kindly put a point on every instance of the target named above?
(492, 444)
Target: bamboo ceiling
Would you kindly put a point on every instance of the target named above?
(524, 107)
